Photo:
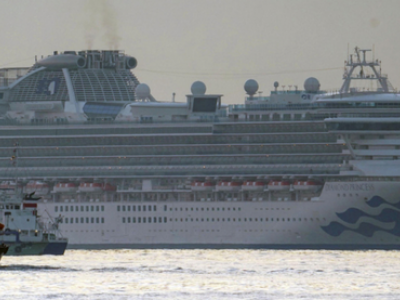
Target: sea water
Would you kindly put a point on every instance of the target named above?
(202, 274)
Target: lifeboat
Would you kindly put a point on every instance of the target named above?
(10, 187)
(253, 185)
(308, 185)
(90, 187)
(202, 186)
(278, 185)
(229, 186)
(65, 187)
(38, 187)
(107, 187)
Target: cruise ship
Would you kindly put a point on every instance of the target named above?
(299, 169)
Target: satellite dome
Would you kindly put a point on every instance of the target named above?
(276, 84)
(142, 91)
(251, 87)
(311, 85)
(198, 88)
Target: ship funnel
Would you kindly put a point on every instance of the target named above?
(130, 62)
(61, 61)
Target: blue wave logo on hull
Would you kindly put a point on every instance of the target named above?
(352, 215)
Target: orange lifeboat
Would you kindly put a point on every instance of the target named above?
(229, 186)
(39, 187)
(253, 185)
(65, 187)
(278, 185)
(10, 187)
(202, 186)
(90, 187)
(308, 185)
(107, 187)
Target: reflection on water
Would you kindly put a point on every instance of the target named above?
(202, 274)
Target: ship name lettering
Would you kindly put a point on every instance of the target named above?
(349, 187)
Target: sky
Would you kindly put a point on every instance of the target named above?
(220, 42)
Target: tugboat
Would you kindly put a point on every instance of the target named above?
(3, 247)
(22, 231)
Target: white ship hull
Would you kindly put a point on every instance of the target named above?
(229, 224)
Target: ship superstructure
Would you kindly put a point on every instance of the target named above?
(124, 170)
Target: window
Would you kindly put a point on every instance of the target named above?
(133, 220)
(155, 220)
(66, 220)
(139, 219)
(149, 207)
(91, 208)
(61, 208)
(97, 220)
(155, 208)
(76, 220)
(134, 208)
(87, 208)
(92, 220)
(123, 220)
(56, 208)
(165, 219)
(82, 220)
(138, 208)
(77, 208)
(102, 220)
(123, 208)
(129, 219)
(97, 208)
(118, 208)
(72, 208)
(102, 208)
(81, 208)
(87, 220)
(66, 208)
(144, 207)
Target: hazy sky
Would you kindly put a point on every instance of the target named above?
(220, 42)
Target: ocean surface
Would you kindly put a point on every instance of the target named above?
(202, 274)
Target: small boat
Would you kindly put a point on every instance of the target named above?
(3, 250)
(308, 185)
(200, 186)
(229, 186)
(107, 187)
(278, 185)
(39, 187)
(253, 186)
(65, 187)
(90, 187)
